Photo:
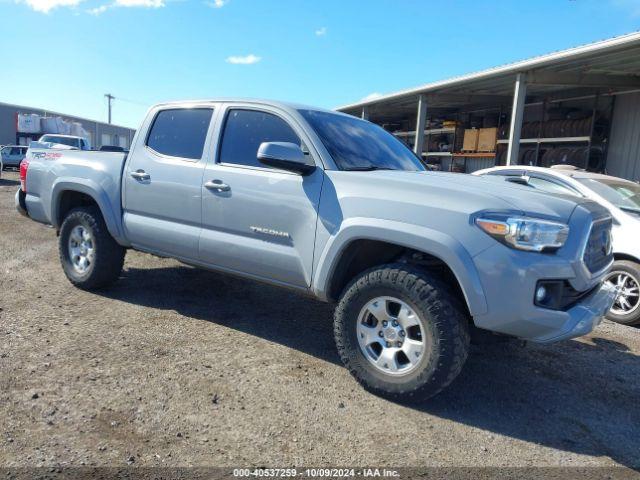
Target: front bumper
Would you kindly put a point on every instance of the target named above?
(21, 204)
(509, 278)
(583, 317)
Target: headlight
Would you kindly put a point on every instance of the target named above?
(526, 233)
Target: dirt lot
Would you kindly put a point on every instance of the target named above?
(182, 367)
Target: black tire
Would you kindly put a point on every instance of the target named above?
(446, 331)
(633, 270)
(108, 257)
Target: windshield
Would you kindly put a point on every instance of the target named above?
(72, 142)
(355, 144)
(624, 195)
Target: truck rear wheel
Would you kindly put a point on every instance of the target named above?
(399, 332)
(89, 255)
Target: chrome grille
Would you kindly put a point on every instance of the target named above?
(598, 252)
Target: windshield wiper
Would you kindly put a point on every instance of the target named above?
(367, 168)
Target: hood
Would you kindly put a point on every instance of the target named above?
(530, 201)
(459, 191)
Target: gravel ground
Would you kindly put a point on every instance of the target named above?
(176, 366)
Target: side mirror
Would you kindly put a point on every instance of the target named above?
(286, 156)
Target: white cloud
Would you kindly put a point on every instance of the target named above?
(98, 10)
(321, 31)
(216, 3)
(371, 96)
(140, 3)
(246, 60)
(45, 6)
(126, 3)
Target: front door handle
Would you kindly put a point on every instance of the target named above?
(217, 185)
(140, 175)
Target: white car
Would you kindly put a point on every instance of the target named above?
(621, 197)
(72, 141)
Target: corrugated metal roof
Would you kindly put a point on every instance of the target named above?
(23, 109)
(615, 56)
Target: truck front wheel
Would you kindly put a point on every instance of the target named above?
(90, 257)
(399, 332)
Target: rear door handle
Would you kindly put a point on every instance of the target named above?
(140, 175)
(217, 185)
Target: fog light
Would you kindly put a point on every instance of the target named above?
(541, 294)
(550, 294)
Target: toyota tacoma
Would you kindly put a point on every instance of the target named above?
(334, 207)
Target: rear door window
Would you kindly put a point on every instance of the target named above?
(180, 132)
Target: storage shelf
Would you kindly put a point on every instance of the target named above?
(437, 154)
(549, 140)
(429, 131)
(475, 155)
(436, 131)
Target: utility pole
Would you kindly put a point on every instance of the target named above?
(109, 98)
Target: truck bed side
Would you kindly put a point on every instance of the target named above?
(58, 179)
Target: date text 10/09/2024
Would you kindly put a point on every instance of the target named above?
(316, 472)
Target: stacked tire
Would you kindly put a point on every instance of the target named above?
(573, 127)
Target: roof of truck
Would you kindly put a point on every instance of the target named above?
(257, 101)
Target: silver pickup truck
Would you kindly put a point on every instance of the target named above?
(334, 207)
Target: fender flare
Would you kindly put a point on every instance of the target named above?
(97, 193)
(420, 238)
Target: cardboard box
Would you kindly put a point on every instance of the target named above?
(487, 139)
(470, 143)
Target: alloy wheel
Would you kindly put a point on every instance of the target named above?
(391, 335)
(81, 248)
(628, 299)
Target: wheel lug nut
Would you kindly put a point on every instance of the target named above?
(380, 333)
(388, 344)
(402, 333)
(385, 323)
(395, 323)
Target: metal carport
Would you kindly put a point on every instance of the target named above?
(596, 72)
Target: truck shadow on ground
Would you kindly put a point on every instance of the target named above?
(575, 396)
(8, 183)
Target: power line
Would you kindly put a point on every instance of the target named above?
(142, 104)
(111, 98)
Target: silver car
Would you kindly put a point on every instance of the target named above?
(621, 197)
(12, 155)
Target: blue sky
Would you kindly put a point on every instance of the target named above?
(64, 55)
